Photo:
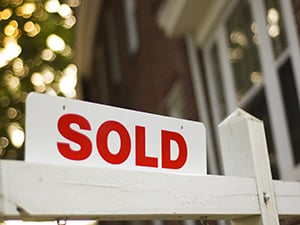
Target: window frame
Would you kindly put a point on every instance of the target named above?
(270, 83)
(201, 102)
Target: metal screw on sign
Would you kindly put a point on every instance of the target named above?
(61, 222)
(267, 197)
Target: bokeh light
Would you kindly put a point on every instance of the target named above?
(16, 134)
(55, 43)
(52, 6)
(65, 11)
(6, 13)
(68, 81)
(48, 55)
(10, 51)
(36, 54)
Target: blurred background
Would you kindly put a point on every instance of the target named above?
(191, 59)
(36, 54)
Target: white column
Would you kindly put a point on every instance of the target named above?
(245, 154)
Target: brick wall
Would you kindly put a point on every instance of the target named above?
(148, 75)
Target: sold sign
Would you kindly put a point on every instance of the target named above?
(65, 131)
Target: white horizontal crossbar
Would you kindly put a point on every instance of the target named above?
(47, 192)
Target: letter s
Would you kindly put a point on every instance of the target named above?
(66, 131)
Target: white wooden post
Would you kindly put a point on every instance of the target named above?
(245, 154)
(35, 191)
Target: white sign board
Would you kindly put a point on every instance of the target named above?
(73, 132)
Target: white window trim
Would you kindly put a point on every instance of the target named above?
(294, 46)
(133, 40)
(201, 103)
(212, 94)
(271, 83)
(272, 90)
(228, 72)
(293, 41)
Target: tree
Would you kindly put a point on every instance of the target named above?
(36, 54)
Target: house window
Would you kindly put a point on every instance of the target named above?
(218, 80)
(275, 27)
(289, 92)
(242, 50)
(251, 61)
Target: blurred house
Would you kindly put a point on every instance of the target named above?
(199, 60)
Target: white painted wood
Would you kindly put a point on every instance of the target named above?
(43, 136)
(212, 87)
(292, 38)
(47, 192)
(169, 15)
(213, 99)
(202, 106)
(287, 197)
(245, 154)
(32, 191)
(218, 14)
(133, 40)
(283, 57)
(273, 94)
(226, 67)
(250, 95)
